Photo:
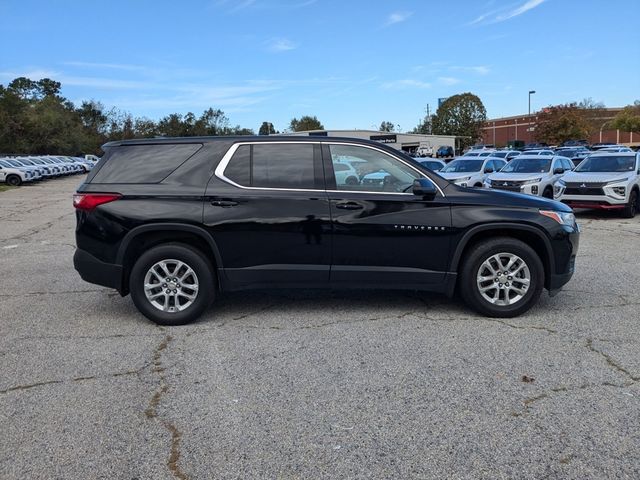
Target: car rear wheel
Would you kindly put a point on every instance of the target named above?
(632, 207)
(352, 181)
(172, 284)
(501, 277)
(13, 180)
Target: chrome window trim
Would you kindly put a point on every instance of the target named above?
(224, 162)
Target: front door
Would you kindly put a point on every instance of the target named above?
(268, 212)
(382, 232)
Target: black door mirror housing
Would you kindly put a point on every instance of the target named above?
(424, 187)
(558, 171)
(488, 170)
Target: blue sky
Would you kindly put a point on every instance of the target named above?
(351, 63)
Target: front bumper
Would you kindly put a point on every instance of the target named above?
(96, 271)
(565, 248)
(600, 202)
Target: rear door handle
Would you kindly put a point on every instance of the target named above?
(224, 203)
(349, 206)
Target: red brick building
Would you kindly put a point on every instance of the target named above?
(499, 131)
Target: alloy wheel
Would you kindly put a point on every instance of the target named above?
(503, 279)
(171, 285)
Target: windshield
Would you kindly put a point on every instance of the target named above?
(15, 163)
(612, 163)
(432, 165)
(463, 166)
(528, 165)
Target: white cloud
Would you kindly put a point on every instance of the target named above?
(405, 83)
(478, 69)
(503, 14)
(113, 66)
(449, 80)
(278, 45)
(525, 7)
(398, 17)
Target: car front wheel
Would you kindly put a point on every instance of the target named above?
(501, 277)
(632, 207)
(13, 180)
(172, 284)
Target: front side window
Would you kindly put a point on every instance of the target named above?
(273, 165)
(371, 170)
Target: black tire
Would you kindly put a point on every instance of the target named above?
(632, 207)
(196, 261)
(13, 180)
(351, 181)
(478, 185)
(548, 193)
(476, 256)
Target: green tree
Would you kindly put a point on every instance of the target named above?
(628, 119)
(563, 122)
(306, 122)
(462, 115)
(425, 127)
(266, 129)
(386, 126)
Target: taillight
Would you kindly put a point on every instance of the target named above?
(89, 201)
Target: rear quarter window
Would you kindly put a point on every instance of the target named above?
(142, 163)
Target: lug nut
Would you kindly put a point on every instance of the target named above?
(500, 285)
(168, 291)
(507, 284)
(164, 285)
(510, 278)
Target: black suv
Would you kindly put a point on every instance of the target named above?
(175, 221)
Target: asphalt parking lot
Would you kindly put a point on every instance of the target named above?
(312, 384)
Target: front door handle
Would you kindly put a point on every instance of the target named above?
(224, 203)
(349, 206)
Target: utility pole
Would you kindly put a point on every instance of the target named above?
(429, 119)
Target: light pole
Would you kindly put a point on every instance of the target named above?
(529, 116)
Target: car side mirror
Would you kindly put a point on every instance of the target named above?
(488, 170)
(423, 187)
(558, 171)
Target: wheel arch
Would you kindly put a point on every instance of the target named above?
(147, 236)
(528, 234)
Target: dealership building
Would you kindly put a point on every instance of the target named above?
(407, 142)
(501, 131)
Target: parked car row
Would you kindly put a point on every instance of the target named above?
(15, 171)
(606, 179)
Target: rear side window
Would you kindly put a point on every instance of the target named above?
(273, 166)
(143, 163)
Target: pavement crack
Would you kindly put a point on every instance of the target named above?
(521, 327)
(611, 362)
(60, 292)
(528, 402)
(29, 386)
(151, 412)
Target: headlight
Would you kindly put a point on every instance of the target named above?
(535, 180)
(465, 179)
(563, 218)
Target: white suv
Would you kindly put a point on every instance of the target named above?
(532, 174)
(471, 171)
(607, 181)
(14, 176)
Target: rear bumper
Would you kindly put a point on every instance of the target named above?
(96, 271)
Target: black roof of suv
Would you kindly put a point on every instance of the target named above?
(177, 221)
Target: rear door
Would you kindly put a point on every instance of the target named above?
(267, 209)
(382, 233)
